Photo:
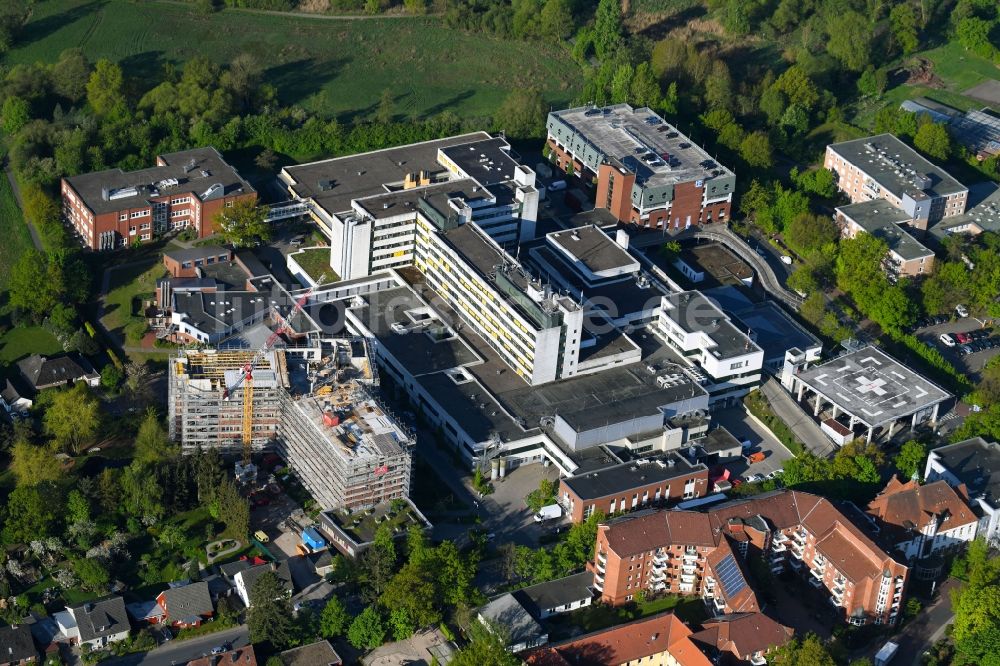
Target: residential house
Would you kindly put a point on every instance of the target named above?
(320, 653)
(95, 623)
(661, 640)
(13, 400)
(975, 464)
(741, 638)
(505, 614)
(557, 596)
(42, 372)
(919, 521)
(242, 656)
(16, 646)
(186, 605)
(246, 579)
(147, 611)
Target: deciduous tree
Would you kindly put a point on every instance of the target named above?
(73, 418)
(244, 224)
(367, 631)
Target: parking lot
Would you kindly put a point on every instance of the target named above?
(507, 516)
(743, 427)
(971, 364)
(268, 519)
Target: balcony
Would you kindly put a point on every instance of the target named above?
(719, 604)
(797, 550)
(780, 537)
(657, 576)
(602, 558)
(815, 582)
(779, 547)
(689, 568)
(660, 558)
(687, 579)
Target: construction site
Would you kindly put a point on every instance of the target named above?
(324, 418)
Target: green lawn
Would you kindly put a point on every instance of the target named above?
(326, 66)
(21, 341)
(316, 263)
(17, 239)
(126, 285)
(960, 69)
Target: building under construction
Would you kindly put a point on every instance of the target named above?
(322, 418)
(199, 415)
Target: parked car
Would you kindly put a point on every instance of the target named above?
(775, 474)
(963, 338)
(961, 311)
(965, 349)
(755, 457)
(785, 259)
(947, 340)
(756, 478)
(298, 240)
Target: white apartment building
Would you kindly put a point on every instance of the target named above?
(974, 463)
(721, 357)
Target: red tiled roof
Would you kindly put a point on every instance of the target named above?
(912, 506)
(639, 534)
(743, 634)
(625, 643)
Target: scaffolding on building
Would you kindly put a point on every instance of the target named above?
(199, 416)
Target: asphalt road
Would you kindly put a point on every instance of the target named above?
(181, 652)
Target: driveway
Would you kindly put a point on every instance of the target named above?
(796, 418)
(738, 422)
(181, 652)
(927, 628)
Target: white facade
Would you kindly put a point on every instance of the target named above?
(985, 507)
(932, 539)
(730, 361)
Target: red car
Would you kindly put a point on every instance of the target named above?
(261, 500)
(963, 338)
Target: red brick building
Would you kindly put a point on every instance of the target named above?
(687, 552)
(645, 171)
(185, 190)
(641, 484)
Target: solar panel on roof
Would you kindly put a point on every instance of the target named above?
(730, 577)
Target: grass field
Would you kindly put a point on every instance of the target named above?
(126, 284)
(326, 66)
(17, 240)
(19, 342)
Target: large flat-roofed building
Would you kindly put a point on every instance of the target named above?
(639, 484)
(368, 204)
(688, 552)
(484, 408)
(975, 464)
(185, 190)
(982, 214)
(646, 171)
(883, 167)
(536, 331)
(868, 388)
(907, 256)
(721, 356)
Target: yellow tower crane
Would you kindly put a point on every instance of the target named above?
(245, 378)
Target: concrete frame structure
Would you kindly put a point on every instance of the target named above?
(342, 443)
(187, 189)
(868, 386)
(646, 172)
(199, 417)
